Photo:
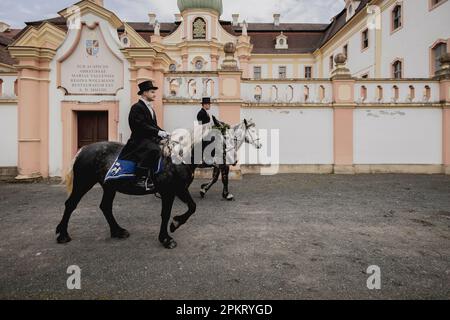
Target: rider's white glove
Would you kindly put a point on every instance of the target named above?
(163, 134)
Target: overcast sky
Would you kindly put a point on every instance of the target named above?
(16, 12)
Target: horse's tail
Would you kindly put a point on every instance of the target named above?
(68, 179)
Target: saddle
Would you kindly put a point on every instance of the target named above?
(125, 170)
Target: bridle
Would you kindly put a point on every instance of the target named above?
(237, 141)
(252, 141)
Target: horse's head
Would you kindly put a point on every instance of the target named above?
(251, 134)
(167, 146)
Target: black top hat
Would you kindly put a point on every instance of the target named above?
(146, 86)
(206, 100)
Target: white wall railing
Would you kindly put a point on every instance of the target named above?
(190, 87)
(402, 91)
(285, 92)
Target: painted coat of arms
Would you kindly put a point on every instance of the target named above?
(92, 47)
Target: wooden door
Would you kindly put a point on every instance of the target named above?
(92, 127)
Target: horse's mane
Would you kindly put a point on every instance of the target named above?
(182, 141)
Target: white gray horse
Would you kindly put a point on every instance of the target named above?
(245, 131)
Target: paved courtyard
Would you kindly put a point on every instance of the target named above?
(285, 237)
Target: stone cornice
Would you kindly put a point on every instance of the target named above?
(31, 52)
(290, 80)
(200, 44)
(282, 56)
(178, 74)
(10, 69)
(8, 101)
(147, 54)
(272, 105)
(45, 36)
(184, 101)
(86, 6)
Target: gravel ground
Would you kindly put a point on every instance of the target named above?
(285, 237)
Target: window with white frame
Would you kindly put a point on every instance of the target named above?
(365, 39)
(282, 72)
(397, 17)
(257, 72)
(308, 72)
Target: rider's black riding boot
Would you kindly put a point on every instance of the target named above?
(144, 180)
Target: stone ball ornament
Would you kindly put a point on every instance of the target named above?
(340, 58)
(229, 48)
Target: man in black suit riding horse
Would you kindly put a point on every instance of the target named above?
(143, 146)
(204, 117)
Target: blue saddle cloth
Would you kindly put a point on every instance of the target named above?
(126, 170)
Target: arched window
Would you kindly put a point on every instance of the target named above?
(397, 69)
(306, 93)
(395, 93)
(321, 93)
(1, 87)
(363, 93)
(281, 41)
(427, 93)
(16, 88)
(438, 51)
(199, 29)
(379, 93)
(412, 93)
(274, 93)
(174, 87)
(290, 93)
(209, 88)
(125, 41)
(397, 17)
(192, 88)
(258, 93)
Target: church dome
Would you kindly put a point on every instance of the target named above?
(201, 4)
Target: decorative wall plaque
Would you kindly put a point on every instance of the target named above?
(91, 67)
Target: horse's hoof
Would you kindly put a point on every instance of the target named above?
(120, 234)
(228, 197)
(202, 193)
(169, 243)
(63, 238)
(174, 226)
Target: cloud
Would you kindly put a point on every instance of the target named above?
(16, 12)
(306, 11)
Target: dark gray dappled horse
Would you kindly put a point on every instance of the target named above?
(90, 166)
